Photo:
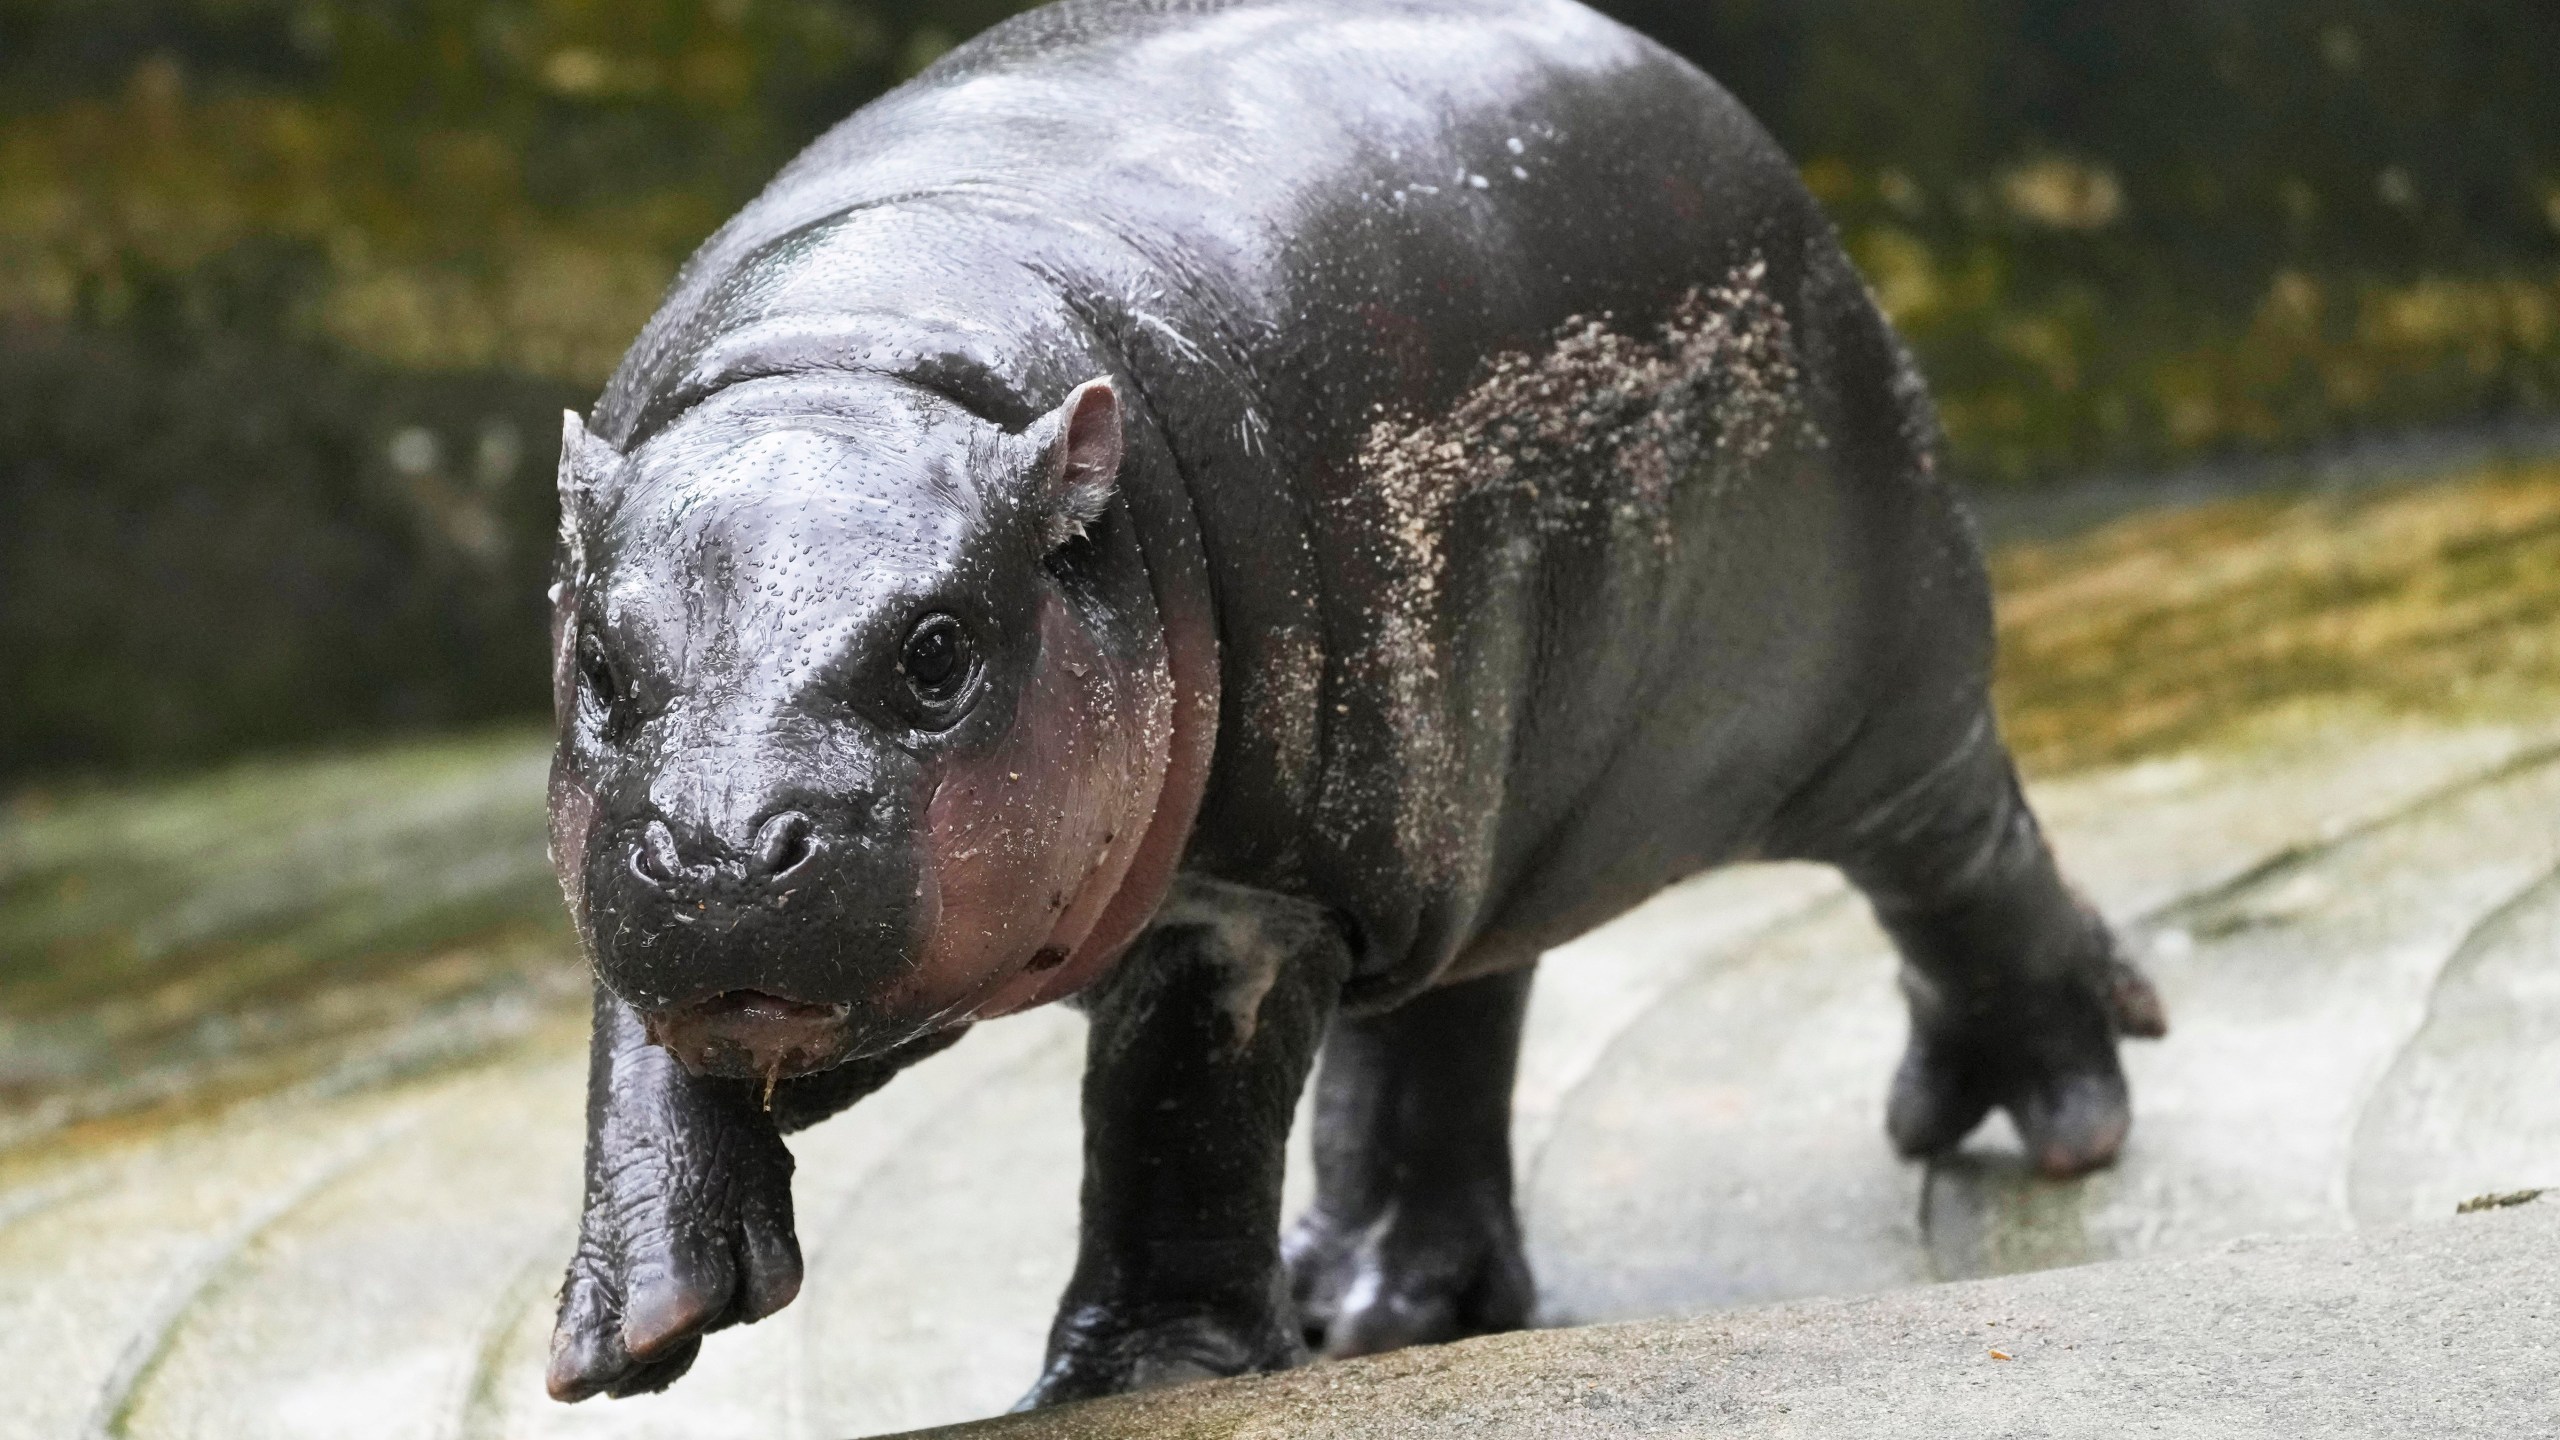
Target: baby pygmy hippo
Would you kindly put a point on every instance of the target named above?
(1258, 519)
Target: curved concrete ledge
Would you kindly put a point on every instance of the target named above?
(2446, 1329)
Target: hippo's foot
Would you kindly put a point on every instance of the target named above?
(1424, 1272)
(678, 1240)
(1101, 1350)
(2044, 1053)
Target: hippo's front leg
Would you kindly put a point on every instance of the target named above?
(687, 1226)
(1199, 1045)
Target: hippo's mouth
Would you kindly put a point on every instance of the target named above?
(750, 1035)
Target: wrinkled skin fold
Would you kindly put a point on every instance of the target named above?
(1257, 519)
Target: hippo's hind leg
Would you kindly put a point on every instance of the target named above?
(2017, 992)
(1201, 1039)
(1412, 1238)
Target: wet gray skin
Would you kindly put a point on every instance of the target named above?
(1263, 518)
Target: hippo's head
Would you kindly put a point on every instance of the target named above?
(864, 711)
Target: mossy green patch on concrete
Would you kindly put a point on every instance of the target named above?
(156, 935)
(2164, 631)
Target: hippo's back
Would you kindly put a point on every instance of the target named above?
(1561, 495)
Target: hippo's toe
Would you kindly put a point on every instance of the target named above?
(589, 1356)
(2047, 1057)
(1425, 1271)
(1937, 1100)
(2073, 1124)
(1103, 1349)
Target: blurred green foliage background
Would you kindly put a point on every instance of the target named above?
(292, 291)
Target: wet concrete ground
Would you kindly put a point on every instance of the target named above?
(342, 1205)
(2442, 1330)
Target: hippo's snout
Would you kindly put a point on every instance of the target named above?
(806, 894)
(784, 849)
(750, 1035)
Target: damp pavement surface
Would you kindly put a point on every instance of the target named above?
(2442, 1330)
(291, 1062)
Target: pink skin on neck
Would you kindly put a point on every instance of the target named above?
(1181, 761)
(1102, 840)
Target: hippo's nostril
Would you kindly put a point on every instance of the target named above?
(783, 845)
(655, 859)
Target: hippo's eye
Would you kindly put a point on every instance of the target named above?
(596, 671)
(938, 660)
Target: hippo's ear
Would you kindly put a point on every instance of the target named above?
(1079, 445)
(584, 459)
